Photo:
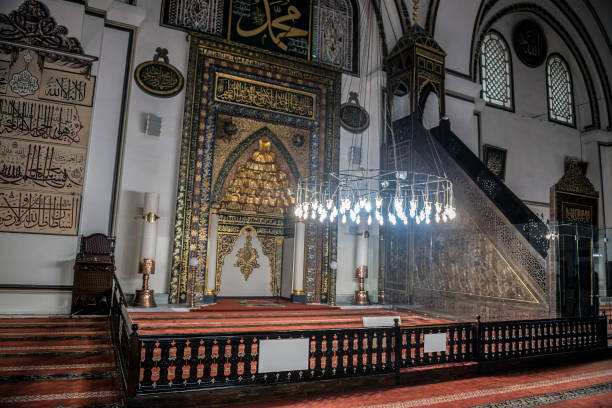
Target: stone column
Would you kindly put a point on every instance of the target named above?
(361, 273)
(210, 293)
(298, 294)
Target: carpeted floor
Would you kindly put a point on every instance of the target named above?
(243, 319)
(58, 362)
(582, 385)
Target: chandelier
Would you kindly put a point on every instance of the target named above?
(362, 194)
(375, 195)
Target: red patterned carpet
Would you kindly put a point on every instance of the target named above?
(236, 305)
(582, 385)
(241, 318)
(58, 362)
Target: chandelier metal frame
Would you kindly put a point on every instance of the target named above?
(383, 195)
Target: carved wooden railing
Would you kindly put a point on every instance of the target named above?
(173, 363)
(515, 339)
(459, 344)
(125, 338)
(153, 364)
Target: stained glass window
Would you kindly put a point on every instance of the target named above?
(495, 71)
(559, 87)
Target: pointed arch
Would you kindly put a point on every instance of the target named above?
(242, 147)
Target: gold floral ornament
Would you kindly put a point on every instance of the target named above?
(259, 186)
(247, 258)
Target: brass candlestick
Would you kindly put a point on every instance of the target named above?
(145, 297)
(361, 296)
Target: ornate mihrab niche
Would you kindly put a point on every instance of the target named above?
(253, 124)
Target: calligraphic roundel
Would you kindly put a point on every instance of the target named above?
(159, 78)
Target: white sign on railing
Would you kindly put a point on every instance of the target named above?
(435, 342)
(283, 355)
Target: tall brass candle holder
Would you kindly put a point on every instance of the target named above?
(145, 297)
(361, 296)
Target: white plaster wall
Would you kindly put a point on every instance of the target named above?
(536, 147)
(454, 31)
(233, 282)
(150, 163)
(106, 123)
(37, 259)
(370, 90)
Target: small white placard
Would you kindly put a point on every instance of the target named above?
(435, 342)
(283, 355)
(380, 321)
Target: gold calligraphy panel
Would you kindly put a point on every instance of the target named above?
(31, 211)
(261, 95)
(279, 26)
(576, 213)
(45, 116)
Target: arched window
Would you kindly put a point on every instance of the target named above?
(496, 71)
(559, 89)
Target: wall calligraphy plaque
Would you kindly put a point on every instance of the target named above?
(28, 165)
(529, 43)
(353, 117)
(67, 87)
(45, 117)
(495, 160)
(159, 78)
(279, 26)
(261, 95)
(31, 211)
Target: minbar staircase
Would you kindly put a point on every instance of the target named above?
(491, 261)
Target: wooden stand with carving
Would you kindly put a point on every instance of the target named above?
(93, 275)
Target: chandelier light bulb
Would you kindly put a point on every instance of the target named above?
(313, 214)
(368, 206)
(444, 217)
(380, 221)
(358, 220)
(413, 207)
(379, 201)
(405, 220)
(437, 217)
(392, 219)
(369, 220)
(438, 207)
(418, 220)
(427, 220)
(344, 218)
(329, 204)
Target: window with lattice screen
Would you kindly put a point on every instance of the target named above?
(559, 89)
(495, 71)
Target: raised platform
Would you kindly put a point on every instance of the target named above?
(233, 316)
(227, 348)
